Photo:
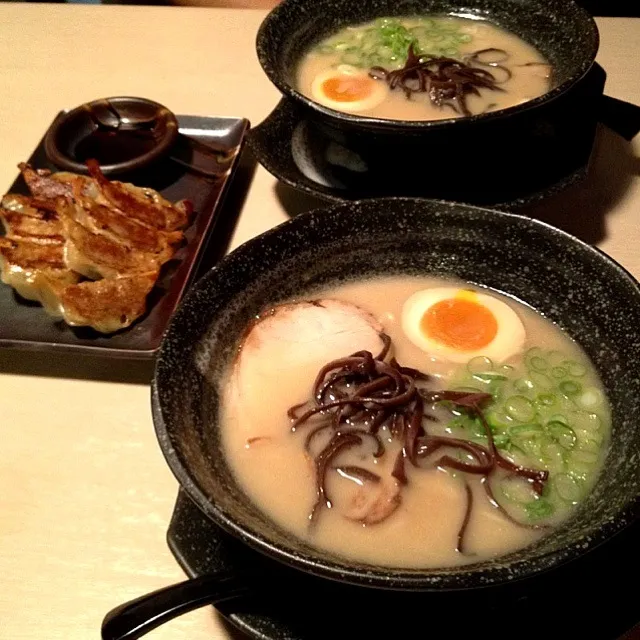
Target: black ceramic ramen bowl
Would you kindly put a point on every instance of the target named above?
(571, 283)
(483, 151)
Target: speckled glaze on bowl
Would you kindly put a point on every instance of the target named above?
(563, 32)
(573, 284)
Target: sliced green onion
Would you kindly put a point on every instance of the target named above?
(584, 457)
(498, 419)
(567, 487)
(588, 437)
(564, 435)
(570, 388)
(426, 47)
(533, 352)
(559, 373)
(501, 440)
(538, 363)
(344, 46)
(352, 57)
(555, 358)
(532, 446)
(420, 31)
(468, 389)
(591, 398)
(384, 51)
(546, 399)
(517, 490)
(387, 42)
(517, 454)
(477, 428)
(574, 368)
(582, 463)
(590, 446)
(553, 456)
(589, 422)
(539, 509)
(526, 430)
(523, 385)
(541, 380)
(520, 408)
(489, 377)
(479, 364)
(448, 24)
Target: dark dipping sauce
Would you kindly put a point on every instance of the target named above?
(114, 147)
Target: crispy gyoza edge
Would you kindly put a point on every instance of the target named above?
(83, 304)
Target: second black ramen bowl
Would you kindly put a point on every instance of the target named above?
(484, 151)
(574, 285)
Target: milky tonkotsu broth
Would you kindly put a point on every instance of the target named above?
(529, 71)
(270, 463)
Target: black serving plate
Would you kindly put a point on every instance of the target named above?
(592, 597)
(295, 150)
(211, 147)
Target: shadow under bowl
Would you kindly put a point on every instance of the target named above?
(573, 284)
(124, 134)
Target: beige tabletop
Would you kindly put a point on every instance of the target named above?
(85, 494)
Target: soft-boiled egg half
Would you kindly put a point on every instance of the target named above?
(460, 324)
(348, 88)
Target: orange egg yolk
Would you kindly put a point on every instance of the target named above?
(346, 88)
(460, 323)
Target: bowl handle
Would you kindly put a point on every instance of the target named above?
(137, 617)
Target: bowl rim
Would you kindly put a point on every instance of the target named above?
(330, 567)
(392, 124)
(61, 159)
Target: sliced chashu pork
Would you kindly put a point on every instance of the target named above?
(297, 339)
(290, 344)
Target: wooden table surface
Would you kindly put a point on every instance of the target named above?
(85, 494)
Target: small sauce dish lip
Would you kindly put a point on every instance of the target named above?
(58, 135)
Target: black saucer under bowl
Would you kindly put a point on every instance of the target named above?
(586, 599)
(295, 150)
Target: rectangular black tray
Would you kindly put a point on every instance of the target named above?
(26, 325)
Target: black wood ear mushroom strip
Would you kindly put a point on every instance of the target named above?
(447, 81)
(354, 397)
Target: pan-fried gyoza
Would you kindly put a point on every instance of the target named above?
(88, 249)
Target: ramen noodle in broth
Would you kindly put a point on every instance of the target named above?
(423, 68)
(413, 422)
